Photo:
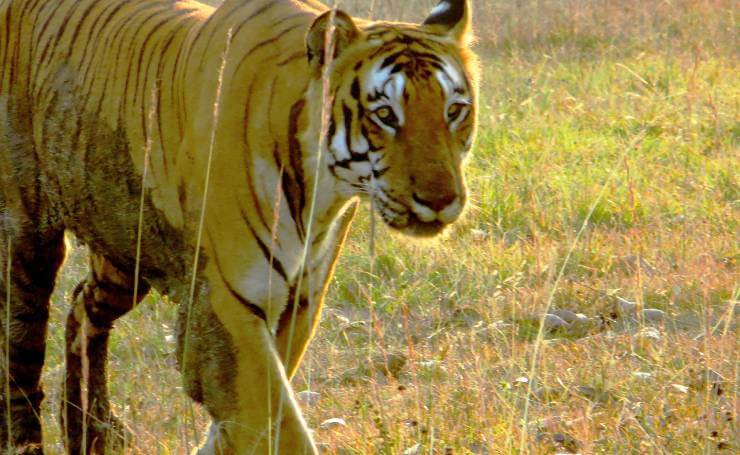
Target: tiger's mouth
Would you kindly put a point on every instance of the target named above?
(408, 223)
(418, 228)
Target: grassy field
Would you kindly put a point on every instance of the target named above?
(604, 182)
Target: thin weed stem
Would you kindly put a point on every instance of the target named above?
(8, 417)
(541, 330)
(204, 204)
(273, 243)
(329, 46)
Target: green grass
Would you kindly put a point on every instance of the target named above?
(578, 97)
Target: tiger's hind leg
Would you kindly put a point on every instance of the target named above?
(105, 295)
(29, 259)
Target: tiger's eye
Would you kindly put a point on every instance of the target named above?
(454, 111)
(386, 115)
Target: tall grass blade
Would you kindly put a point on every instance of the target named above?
(204, 205)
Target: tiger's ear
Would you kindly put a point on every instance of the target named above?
(452, 18)
(344, 33)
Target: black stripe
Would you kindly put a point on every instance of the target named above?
(49, 18)
(347, 112)
(111, 39)
(131, 52)
(144, 76)
(256, 310)
(248, 167)
(51, 45)
(278, 35)
(348, 116)
(378, 173)
(391, 59)
(294, 185)
(269, 257)
(93, 40)
(355, 89)
(245, 21)
(78, 28)
(177, 27)
(293, 57)
(5, 43)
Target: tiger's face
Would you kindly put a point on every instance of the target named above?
(403, 116)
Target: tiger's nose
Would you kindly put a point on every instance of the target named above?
(445, 207)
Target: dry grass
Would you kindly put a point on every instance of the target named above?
(639, 99)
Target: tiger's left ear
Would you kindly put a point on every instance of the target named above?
(345, 32)
(452, 18)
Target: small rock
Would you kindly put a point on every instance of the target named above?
(341, 320)
(626, 308)
(648, 333)
(680, 388)
(712, 377)
(709, 378)
(554, 322)
(413, 450)
(308, 398)
(521, 380)
(653, 316)
(410, 423)
(478, 235)
(566, 315)
(334, 422)
(582, 324)
(355, 327)
(642, 375)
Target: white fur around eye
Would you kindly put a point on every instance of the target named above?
(377, 78)
(394, 87)
(464, 112)
(391, 87)
(451, 82)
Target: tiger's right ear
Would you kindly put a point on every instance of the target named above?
(344, 33)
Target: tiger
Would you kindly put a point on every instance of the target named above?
(217, 156)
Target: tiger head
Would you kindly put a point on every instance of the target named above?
(400, 115)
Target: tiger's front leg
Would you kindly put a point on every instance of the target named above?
(230, 364)
(104, 296)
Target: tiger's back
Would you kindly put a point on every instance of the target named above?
(80, 81)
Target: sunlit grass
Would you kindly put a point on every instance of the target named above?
(574, 92)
